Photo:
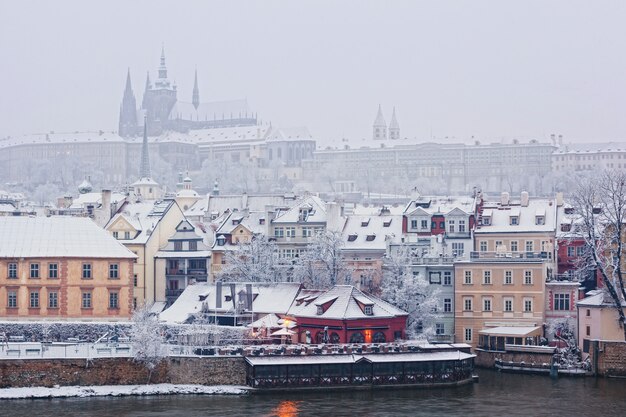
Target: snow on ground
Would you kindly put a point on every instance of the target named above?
(119, 390)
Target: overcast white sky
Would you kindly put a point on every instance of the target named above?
(490, 69)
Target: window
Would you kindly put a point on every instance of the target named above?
(320, 310)
(498, 244)
(461, 226)
(135, 280)
(369, 311)
(116, 235)
(34, 299)
(528, 305)
(53, 299)
(508, 305)
(193, 245)
(588, 314)
(561, 302)
(279, 232)
(414, 224)
(468, 335)
(86, 299)
(588, 330)
(447, 278)
(34, 270)
(514, 220)
(458, 248)
(447, 305)
(291, 231)
(53, 271)
(178, 245)
(86, 271)
(508, 277)
(451, 226)
(307, 232)
(486, 304)
(12, 269)
(487, 277)
(580, 250)
(570, 251)
(424, 224)
(127, 235)
(528, 277)
(113, 300)
(435, 277)
(439, 329)
(486, 220)
(468, 277)
(114, 271)
(514, 246)
(540, 220)
(483, 246)
(529, 246)
(12, 299)
(467, 304)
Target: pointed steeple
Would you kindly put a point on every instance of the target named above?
(162, 67)
(196, 93)
(128, 111)
(144, 170)
(147, 88)
(379, 131)
(394, 127)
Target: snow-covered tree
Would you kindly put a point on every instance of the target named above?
(321, 265)
(146, 339)
(411, 293)
(254, 261)
(600, 207)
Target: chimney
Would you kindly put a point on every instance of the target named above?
(68, 200)
(560, 140)
(106, 203)
(559, 199)
(524, 199)
(334, 215)
(553, 139)
(504, 199)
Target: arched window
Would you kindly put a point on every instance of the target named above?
(319, 337)
(334, 338)
(357, 338)
(379, 337)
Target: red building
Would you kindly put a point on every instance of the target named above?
(344, 314)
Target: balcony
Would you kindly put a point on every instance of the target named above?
(173, 293)
(439, 260)
(458, 235)
(292, 239)
(510, 256)
(190, 272)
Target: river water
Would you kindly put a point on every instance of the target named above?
(495, 394)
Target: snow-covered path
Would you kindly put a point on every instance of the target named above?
(120, 390)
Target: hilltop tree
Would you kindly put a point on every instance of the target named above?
(253, 261)
(322, 266)
(411, 293)
(600, 207)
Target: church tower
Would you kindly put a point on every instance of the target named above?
(159, 99)
(195, 100)
(394, 127)
(380, 126)
(128, 111)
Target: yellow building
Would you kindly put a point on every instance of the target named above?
(144, 228)
(63, 268)
(598, 320)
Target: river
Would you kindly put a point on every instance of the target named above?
(495, 394)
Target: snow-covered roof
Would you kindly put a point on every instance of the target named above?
(95, 198)
(371, 232)
(441, 205)
(591, 148)
(7, 208)
(289, 133)
(345, 305)
(57, 236)
(220, 203)
(511, 330)
(313, 205)
(143, 217)
(526, 217)
(215, 110)
(268, 298)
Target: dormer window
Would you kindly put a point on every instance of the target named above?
(387, 223)
(320, 310)
(303, 214)
(370, 238)
(486, 221)
(369, 310)
(596, 210)
(566, 227)
(352, 237)
(221, 240)
(514, 221)
(540, 220)
(365, 222)
(569, 210)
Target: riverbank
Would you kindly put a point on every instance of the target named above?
(119, 391)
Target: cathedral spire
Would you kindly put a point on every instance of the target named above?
(128, 111)
(394, 127)
(129, 87)
(196, 93)
(380, 126)
(144, 170)
(162, 67)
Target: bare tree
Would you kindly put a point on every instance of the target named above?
(146, 339)
(600, 207)
(411, 293)
(322, 265)
(254, 261)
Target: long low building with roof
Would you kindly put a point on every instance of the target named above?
(63, 268)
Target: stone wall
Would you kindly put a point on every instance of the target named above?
(608, 358)
(486, 359)
(120, 371)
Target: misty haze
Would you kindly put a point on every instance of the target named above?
(225, 198)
